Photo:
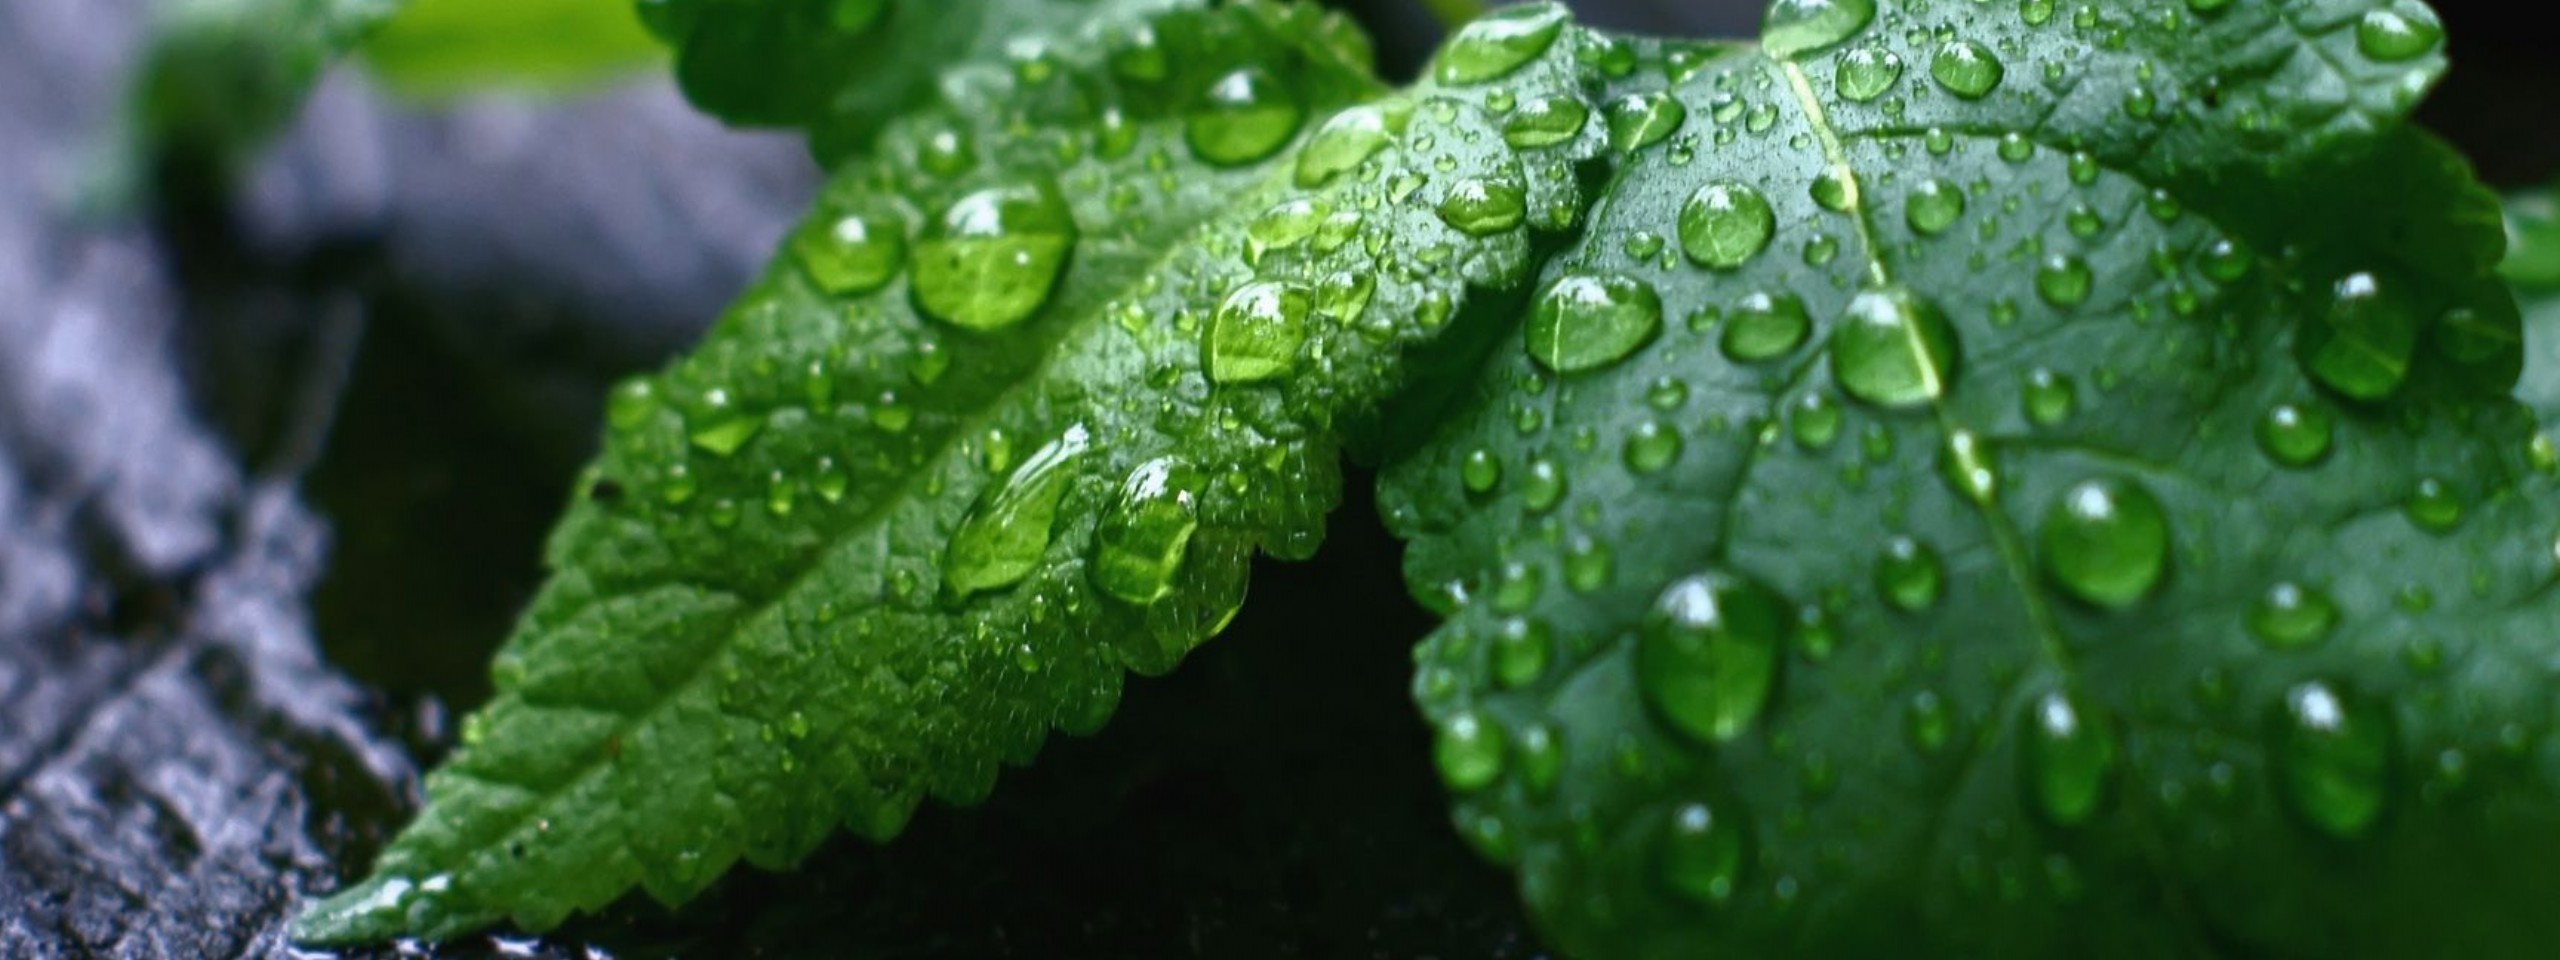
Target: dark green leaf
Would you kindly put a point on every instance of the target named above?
(223, 75)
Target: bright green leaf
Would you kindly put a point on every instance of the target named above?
(2131, 551)
(439, 48)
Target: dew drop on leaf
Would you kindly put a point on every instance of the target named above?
(1245, 117)
(1967, 69)
(1764, 326)
(2296, 436)
(852, 254)
(2291, 616)
(1494, 45)
(1893, 349)
(1139, 543)
(2362, 347)
(990, 260)
(2070, 761)
(1468, 751)
(1909, 575)
(1481, 206)
(1925, 720)
(1866, 73)
(2400, 32)
(1724, 224)
(1347, 140)
(1653, 447)
(1796, 27)
(1522, 647)
(1544, 486)
(1701, 854)
(1933, 206)
(2063, 280)
(1640, 120)
(1256, 332)
(2435, 506)
(1546, 121)
(2048, 398)
(1480, 471)
(1707, 655)
(2106, 541)
(1001, 539)
(1586, 321)
(2332, 758)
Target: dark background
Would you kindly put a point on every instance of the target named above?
(274, 471)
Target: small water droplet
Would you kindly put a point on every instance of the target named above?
(1893, 349)
(1724, 224)
(1925, 720)
(2291, 616)
(2070, 758)
(1345, 141)
(2295, 435)
(1792, 28)
(2364, 347)
(1933, 206)
(1494, 45)
(1764, 326)
(1587, 321)
(1816, 422)
(1256, 333)
(1139, 543)
(1546, 121)
(1909, 575)
(1640, 120)
(2106, 541)
(852, 254)
(1480, 471)
(1522, 647)
(2063, 280)
(2048, 398)
(1480, 206)
(2401, 32)
(1003, 536)
(1653, 447)
(1544, 486)
(1707, 655)
(1588, 565)
(1967, 69)
(1701, 854)
(1245, 116)
(2435, 506)
(1468, 751)
(2333, 758)
(991, 259)
(1866, 73)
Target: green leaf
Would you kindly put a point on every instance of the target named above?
(841, 68)
(2533, 267)
(224, 75)
(441, 48)
(1007, 420)
(2070, 506)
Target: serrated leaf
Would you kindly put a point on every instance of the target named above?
(1007, 419)
(223, 75)
(2070, 508)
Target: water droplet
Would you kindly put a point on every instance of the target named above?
(2364, 348)
(2048, 398)
(1652, 447)
(1256, 333)
(2063, 280)
(1588, 565)
(1835, 190)
(1909, 575)
(1546, 121)
(1139, 543)
(1494, 45)
(2406, 31)
(1707, 655)
(1640, 120)
(1866, 73)
(1543, 488)
(1796, 27)
(2291, 616)
(851, 254)
(2333, 759)
(2107, 542)
(724, 436)
(1522, 647)
(1479, 206)
(1245, 116)
(1480, 471)
(631, 404)
(1002, 538)
(1967, 69)
(1968, 467)
(2435, 506)
(1925, 721)
(1701, 854)
(991, 259)
(1468, 751)
(2296, 436)
(1816, 422)
(1933, 206)
(1893, 349)
(1347, 140)
(2070, 758)
(1588, 321)
(1764, 326)
(1726, 223)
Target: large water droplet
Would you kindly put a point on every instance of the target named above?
(1796, 27)
(852, 254)
(2405, 31)
(1967, 69)
(2296, 436)
(2363, 349)
(1139, 543)
(1498, 43)
(1639, 120)
(1245, 117)
(1468, 751)
(1725, 224)
(2107, 542)
(991, 259)
(2070, 758)
(1866, 73)
(1893, 349)
(1002, 538)
(1343, 142)
(1480, 206)
(2333, 759)
(1256, 332)
(1701, 854)
(1764, 326)
(1546, 121)
(1707, 656)
(1587, 321)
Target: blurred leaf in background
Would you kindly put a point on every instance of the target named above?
(438, 49)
